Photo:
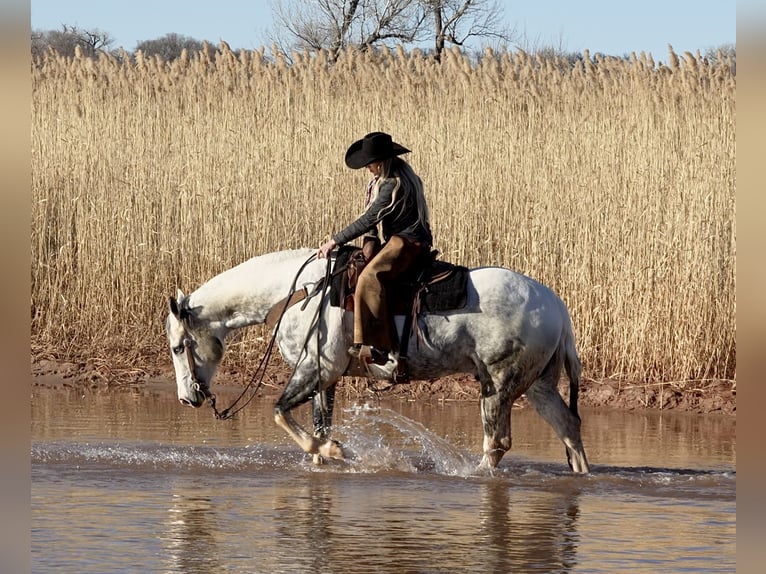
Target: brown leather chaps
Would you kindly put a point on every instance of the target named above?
(373, 323)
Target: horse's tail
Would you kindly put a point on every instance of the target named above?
(572, 365)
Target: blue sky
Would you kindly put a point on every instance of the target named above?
(613, 27)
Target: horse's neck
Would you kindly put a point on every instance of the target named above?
(243, 295)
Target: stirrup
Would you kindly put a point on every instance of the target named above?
(369, 354)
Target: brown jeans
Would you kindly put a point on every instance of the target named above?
(373, 324)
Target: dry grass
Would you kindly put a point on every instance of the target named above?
(613, 183)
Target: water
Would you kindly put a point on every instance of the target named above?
(133, 482)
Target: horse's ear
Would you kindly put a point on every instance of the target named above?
(177, 305)
(174, 308)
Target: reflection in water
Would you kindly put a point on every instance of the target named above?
(531, 530)
(304, 523)
(191, 531)
(393, 523)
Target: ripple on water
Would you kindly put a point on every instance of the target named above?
(193, 494)
(161, 457)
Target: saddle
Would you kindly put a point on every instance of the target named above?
(428, 286)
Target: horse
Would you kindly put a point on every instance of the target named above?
(513, 335)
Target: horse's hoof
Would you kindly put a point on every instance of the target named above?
(577, 461)
(491, 458)
(331, 449)
(484, 468)
(317, 459)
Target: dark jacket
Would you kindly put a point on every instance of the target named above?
(400, 219)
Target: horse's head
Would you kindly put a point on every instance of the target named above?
(196, 349)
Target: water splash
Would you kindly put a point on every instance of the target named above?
(382, 439)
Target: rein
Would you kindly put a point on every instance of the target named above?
(260, 371)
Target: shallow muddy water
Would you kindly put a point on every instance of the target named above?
(134, 482)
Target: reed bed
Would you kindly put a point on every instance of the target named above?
(612, 181)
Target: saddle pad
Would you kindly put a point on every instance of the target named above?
(447, 294)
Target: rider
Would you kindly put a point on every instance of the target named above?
(395, 207)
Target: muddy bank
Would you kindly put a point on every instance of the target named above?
(720, 397)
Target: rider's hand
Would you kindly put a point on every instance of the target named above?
(324, 250)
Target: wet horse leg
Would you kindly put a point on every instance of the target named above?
(544, 396)
(312, 445)
(321, 411)
(298, 391)
(322, 407)
(495, 417)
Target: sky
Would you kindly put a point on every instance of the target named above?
(613, 27)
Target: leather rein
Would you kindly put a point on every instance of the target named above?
(257, 378)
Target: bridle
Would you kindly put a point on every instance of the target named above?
(204, 390)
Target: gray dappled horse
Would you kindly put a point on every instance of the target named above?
(514, 335)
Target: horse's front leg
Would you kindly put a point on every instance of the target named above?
(297, 392)
(322, 407)
(315, 446)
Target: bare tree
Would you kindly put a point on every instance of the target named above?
(334, 25)
(65, 40)
(724, 55)
(169, 46)
(324, 24)
(457, 21)
(93, 40)
(39, 44)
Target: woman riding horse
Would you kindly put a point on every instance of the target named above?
(395, 202)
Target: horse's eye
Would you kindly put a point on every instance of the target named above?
(178, 349)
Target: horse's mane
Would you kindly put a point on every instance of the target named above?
(285, 255)
(277, 262)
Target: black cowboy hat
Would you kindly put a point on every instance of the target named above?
(375, 146)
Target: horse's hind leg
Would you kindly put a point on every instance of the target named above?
(545, 397)
(496, 419)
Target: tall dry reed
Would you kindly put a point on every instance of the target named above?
(613, 182)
